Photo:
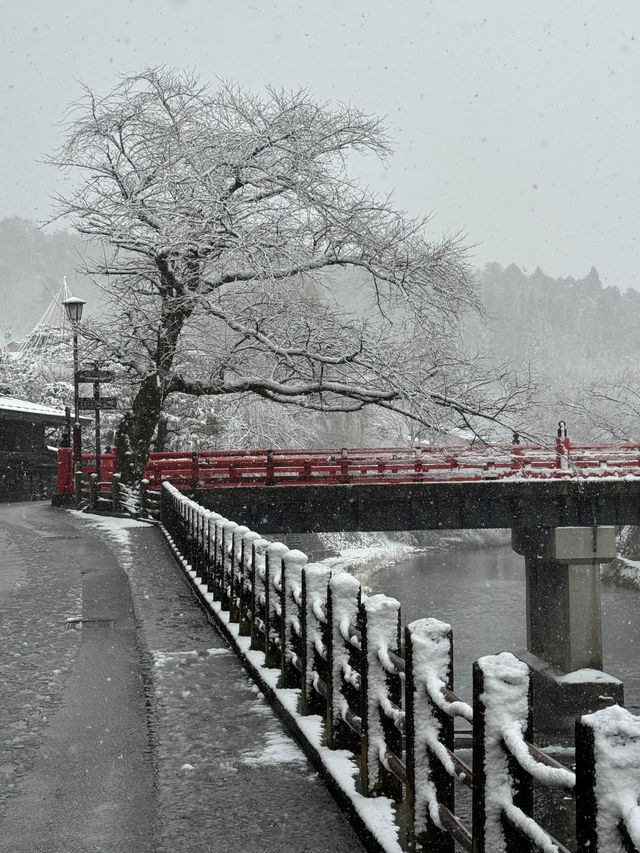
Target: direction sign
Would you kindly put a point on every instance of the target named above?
(90, 375)
(90, 403)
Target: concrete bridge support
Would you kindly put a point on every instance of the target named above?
(564, 619)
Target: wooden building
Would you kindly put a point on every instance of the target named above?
(29, 436)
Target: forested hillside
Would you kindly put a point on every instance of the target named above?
(557, 325)
(32, 265)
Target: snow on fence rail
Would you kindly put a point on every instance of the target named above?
(389, 699)
(114, 497)
(331, 466)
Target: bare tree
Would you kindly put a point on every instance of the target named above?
(603, 408)
(222, 216)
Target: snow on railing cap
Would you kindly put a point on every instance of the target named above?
(261, 545)
(504, 667)
(251, 536)
(276, 549)
(428, 628)
(344, 583)
(376, 603)
(317, 571)
(613, 721)
(241, 530)
(295, 557)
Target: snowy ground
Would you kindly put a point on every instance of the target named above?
(35, 654)
(226, 769)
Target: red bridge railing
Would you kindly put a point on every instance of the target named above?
(330, 466)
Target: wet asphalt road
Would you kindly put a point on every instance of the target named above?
(132, 727)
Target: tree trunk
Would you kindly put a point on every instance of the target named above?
(135, 431)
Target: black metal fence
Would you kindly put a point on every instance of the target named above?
(387, 696)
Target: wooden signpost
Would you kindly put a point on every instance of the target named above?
(91, 373)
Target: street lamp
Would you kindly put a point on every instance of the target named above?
(74, 306)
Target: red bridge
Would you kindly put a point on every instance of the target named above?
(372, 465)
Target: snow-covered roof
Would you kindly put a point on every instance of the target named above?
(13, 409)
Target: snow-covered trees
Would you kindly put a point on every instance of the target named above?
(223, 217)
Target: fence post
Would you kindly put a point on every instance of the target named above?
(343, 601)
(93, 492)
(380, 626)
(272, 577)
(226, 564)
(246, 581)
(144, 502)
(115, 492)
(218, 557)
(501, 698)
(237, 555)
(258, 618)
(194, 470)
(428, 666)
(315, 580)
(77, 487)
(200, 565)
(608, 781)
(293, 563)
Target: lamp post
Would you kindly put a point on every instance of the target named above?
(74, 306)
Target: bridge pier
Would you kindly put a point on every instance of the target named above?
(564, 620)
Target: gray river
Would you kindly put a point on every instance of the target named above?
(480, 592)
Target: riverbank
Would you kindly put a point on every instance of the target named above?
(624, 571)
(365, 554)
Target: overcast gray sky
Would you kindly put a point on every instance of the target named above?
(516, 123)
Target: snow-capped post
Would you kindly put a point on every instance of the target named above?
(270, 468)
(429, 730)
(343, 601)
(293, 563)
(608, 781)
(226, 564)
(315, 580)
(144, 499)
(218, 558)
(210, 550)
(272, 606)
(235, 572)
(194, 470)
(247, 573)
(206, 569)
(115, 493)
(562, 446)
(502, 790)
(77, 487)
(381, 688)
(93, 492)
(258, 618)
(344, 465)
(195, 533)
(188, 519)
(196, 563)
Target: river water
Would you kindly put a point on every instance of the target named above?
(480, 592)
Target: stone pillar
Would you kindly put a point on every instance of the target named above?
(564, 619)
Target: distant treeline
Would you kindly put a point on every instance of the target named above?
(557, 325)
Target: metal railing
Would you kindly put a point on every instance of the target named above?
(335, 466)
(389, 699)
